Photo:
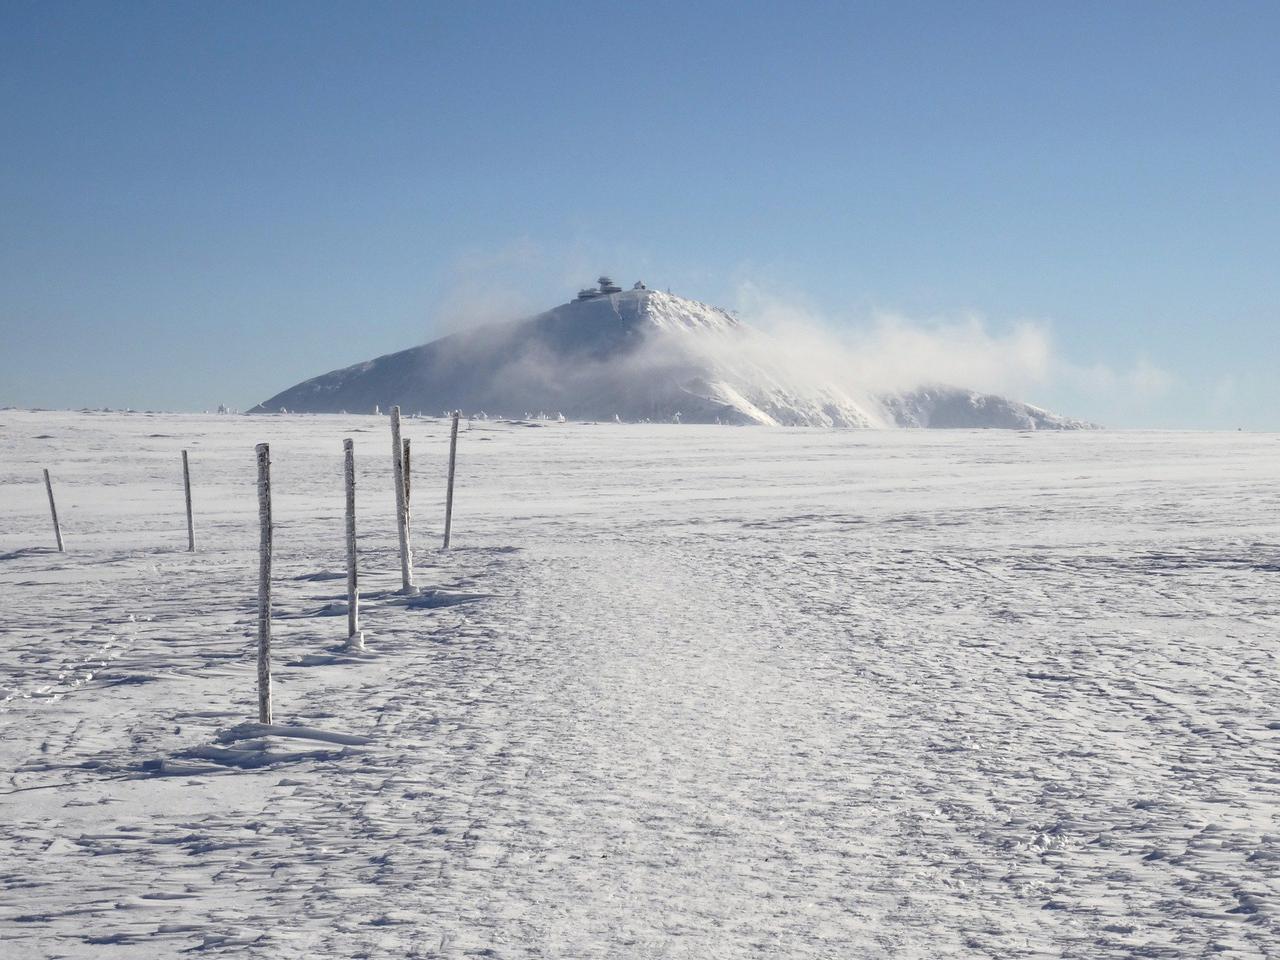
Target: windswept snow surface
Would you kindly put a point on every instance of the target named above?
(679, 692)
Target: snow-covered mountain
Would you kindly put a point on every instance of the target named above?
(636, 355)
(942, 406)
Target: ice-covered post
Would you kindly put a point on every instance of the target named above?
(407, 475)
(186, 486)
(354, 637)
(264, 583)
(53, 509)
(402, 506)
(448, 497)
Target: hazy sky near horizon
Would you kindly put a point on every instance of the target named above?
(205, 203)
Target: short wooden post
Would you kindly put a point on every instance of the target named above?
(355, 638)
(264, 583)
(53, 509)
(402, 509)
(448, 497)
(186, 486)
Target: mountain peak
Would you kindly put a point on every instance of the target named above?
(637, 354)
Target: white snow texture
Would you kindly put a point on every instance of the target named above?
(677, 691)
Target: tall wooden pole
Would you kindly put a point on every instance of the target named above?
(264, 583)
(186, 486)
(354, 637)
(408, 480)
(448, 497)
(53, 509)
(402, 507)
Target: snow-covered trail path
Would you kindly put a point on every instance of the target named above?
(709, 693)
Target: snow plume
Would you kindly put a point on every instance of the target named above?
(573, 361)
(890, 352)
(893, 353)
(486, 286)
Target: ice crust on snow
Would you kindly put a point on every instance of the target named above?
(638, 355)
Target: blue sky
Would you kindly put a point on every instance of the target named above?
(205, 203)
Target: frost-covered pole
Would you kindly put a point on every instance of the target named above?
(186, 486)
(53, 509)
(402, 506)
(448, 497)
(354, 637)
(264, 583)
(408, 507)
(407, 484)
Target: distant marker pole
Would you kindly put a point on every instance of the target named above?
(264, 583)
(448, 497)
(53, 510)
(186, 486)
(402, 506)
(355, 638)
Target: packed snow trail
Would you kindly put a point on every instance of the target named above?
(676, 692)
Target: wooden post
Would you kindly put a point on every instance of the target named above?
(264, 583)
(448, 497)
(402, 508)
(408, 508)
(407, 475)
(186, 485)
(53, 509)
(355, 638)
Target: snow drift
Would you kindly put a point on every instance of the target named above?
(638, 355)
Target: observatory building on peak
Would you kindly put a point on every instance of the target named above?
(606, 287)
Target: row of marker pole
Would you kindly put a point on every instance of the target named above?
(186, 487)
(355, 637)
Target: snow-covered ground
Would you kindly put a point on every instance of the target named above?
(679, 691)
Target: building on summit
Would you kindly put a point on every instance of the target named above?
(607, 286)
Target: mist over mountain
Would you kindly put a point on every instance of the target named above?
(638, 355)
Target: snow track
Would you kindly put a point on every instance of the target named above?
(680, 692)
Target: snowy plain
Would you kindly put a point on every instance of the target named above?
(678, 691)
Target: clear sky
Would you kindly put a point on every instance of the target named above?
(204, 203)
